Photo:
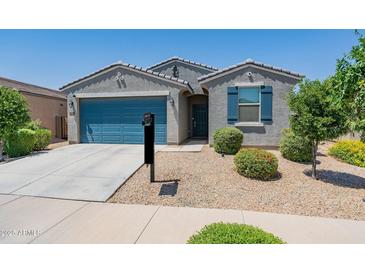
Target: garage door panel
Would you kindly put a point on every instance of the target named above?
(111, 139)
(92, 139)
(111, 129)
(133, 139)
(118, 120)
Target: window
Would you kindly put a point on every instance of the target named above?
(249, 100)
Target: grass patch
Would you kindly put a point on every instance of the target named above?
(224, 233)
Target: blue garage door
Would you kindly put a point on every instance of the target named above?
(118, 120)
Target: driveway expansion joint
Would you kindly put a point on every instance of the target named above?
(60, 221)
(8, 202)
(149, 221)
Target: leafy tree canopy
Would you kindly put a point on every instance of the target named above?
(13, 111)
(349, 86)
(314, 114)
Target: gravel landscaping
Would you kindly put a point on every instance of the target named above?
(206, 179)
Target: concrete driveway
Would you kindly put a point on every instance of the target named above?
(90, 172)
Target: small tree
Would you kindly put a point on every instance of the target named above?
(13, 113)
(315, 116)
(349, 87)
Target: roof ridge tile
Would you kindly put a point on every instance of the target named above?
(173, 58)
(121, 63)
(247, 62)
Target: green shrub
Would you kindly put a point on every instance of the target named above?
(295, 148)
(19, 143)
(349, 151)
(42, 138)
(34, 125)
(228, 140)
(221, 233)
(256, 163)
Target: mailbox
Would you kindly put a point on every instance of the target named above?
(149, 142)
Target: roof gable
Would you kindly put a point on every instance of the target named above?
(134, 68)
(185, 61)
(247, 63)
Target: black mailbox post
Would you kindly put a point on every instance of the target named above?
(149, 142)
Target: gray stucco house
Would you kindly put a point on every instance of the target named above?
(189, 99)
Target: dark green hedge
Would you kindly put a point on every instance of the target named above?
(42, 138)
(20, 143)
(227, 140)
(256, 163)
(295, 148)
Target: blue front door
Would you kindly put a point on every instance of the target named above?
(118, 120)
(200, 120)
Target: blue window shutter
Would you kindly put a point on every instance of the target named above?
(266, 103)
(232, 105)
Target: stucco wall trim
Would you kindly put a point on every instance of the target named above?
(122, 94)
(250, 84)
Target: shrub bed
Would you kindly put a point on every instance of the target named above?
(20, 143)
(256, 163)
(42, 138)
(227, 140)
(221, 233)
(295, 148)
(349, 151)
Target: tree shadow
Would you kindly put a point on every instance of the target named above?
(339, 178)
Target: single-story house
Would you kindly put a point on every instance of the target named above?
(47, 105)
(189, 99)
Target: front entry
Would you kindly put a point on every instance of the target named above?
(200, 120)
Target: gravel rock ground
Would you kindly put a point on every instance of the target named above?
(206, 179)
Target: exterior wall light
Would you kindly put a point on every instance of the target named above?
(71, 107)
(175, 71)
(171, 100)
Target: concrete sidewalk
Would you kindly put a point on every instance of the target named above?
(43, 220)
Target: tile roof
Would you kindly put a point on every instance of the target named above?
(25, 87)
(176, 58)
(250, 62)
(133, 67)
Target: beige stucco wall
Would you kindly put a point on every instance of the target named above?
(46, 109)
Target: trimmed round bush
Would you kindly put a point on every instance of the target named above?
(349, 151)
(20, 143)
(227, 140)
(256, 163)
(221, 233)
(42, 138)
(295, 148)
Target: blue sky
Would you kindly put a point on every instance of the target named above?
(52, 58)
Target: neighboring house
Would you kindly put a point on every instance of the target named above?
(44, 104)
(190, 100)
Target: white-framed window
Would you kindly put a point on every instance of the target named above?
(249, 104)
